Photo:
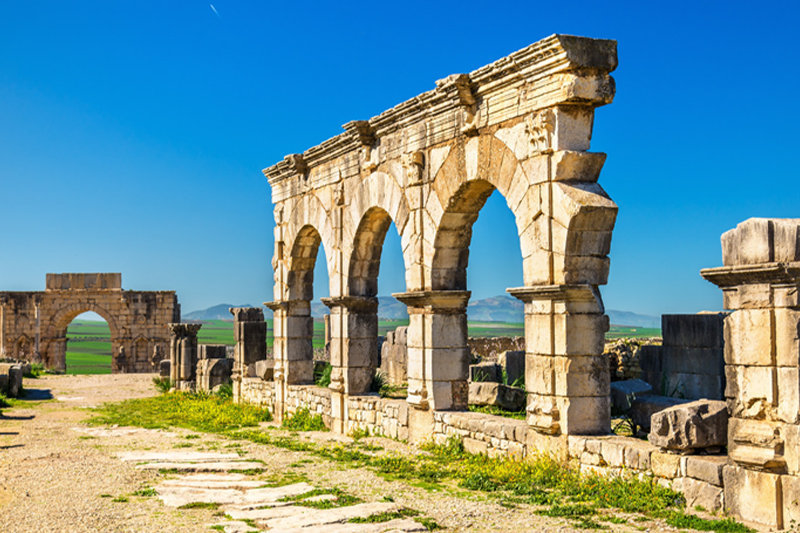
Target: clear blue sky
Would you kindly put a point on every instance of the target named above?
(132, 134)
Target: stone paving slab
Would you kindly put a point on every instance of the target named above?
(319, 517)
(176, 456)
(225, 466)
(266, 510)
(234, 526)
(214, 481)
(176, 495)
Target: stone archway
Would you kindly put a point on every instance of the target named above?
(137, 320)
(522, 126)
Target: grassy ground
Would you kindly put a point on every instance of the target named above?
(539, 482)
(88, 348)
(628, 332)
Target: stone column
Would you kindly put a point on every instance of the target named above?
(292, 347)
(438, 355)
(36, 352)
(566, 375)
(183, 354)
(760, 283)
(250, 334)
(353, 349)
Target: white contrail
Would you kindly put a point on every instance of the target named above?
(214, 9)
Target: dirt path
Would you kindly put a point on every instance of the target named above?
(57, 474)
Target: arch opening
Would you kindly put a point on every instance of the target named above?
(88, 345)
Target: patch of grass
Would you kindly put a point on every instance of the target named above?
(322, 375)
(4, 401)
(37, 369)
(163, 385)
(341, 499)
(199, 412)
(146, 492)
(385, 516)
(497, 411)
(120, 499)
(225, 391)
(105, 496)
(359, 433)
(681, 519)
(200, 505)
(303, 420)
(429, 523)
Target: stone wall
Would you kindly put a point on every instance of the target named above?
(316, 399)
(490, 348)
(394, 356)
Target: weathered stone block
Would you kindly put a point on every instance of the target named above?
(748, 337)
(706, 468)
(513, 362)
(624, 393)
(643, 408)
(485, 372)
(753, 496)
(696, 425)
(486, 393)
(265, 369)
(699, 493)
(163, 368)
(666, 465)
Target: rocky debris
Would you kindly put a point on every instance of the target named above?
(624, 393)
(503, 396)
(482, 372)
(701, 424)
(623, 356)
(642, 409)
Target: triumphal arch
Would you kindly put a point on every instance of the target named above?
(521, 126)
(33, 325)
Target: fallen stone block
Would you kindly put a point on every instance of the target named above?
(483, 372)
(692, 426)
(699, 493)
(265, 369)
(642, 409)
(624, 393)
(488, 393)
(14, 387)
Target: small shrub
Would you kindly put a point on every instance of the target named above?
(4, 401)
(37, 369)
(162, 384)
(378, 382)
(303, 420)
(359, 433)
(225, 391)
(322, 375)
(145, 492)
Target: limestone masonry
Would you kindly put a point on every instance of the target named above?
(33, 325)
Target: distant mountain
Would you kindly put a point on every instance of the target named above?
(626, 318)
(502, 308)
(216, 312)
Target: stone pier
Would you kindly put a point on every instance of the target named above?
(183, 355)
(760, 282)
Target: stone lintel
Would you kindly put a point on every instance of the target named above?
(772, 273)
(357, 304)
(247, 314)
(435, 300)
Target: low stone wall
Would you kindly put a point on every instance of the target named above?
(480, 433)
(316, 399)
(698, 477)
(490, 348)
(259, 392)
(379, 416)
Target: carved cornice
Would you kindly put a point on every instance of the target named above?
(363, 304)
(773, 273)
(247, 314)
(552, 55)
(571, 293)
(437, 300)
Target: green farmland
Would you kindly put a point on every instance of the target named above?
(88, 348)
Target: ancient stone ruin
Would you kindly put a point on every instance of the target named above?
(522, 126)
(33, 325)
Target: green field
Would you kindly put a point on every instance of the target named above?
(631, 332)
(88, 348)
